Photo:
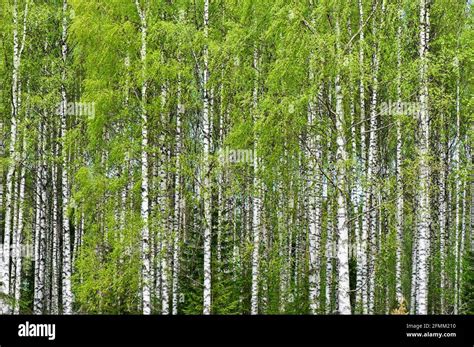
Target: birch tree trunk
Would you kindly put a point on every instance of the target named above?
(443, 224)
(329, 251)
(343, 232)
(462, 246)
(55, 237)
(144, 209)
(399, 178)
(178, 203)
(18, 243)
(457, 192)
(67, 296)
(354, 180)
(363, 266)
(314, 208)
(256, 199)
(371, 216)
(39, 291)
(18, 46)
(207, 193)
(163, 200)
(423, 211)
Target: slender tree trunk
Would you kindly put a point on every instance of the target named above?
(207, 193)
(144, 209)
(18, 45)
(443, 224)
(364, 269)
(314, 208)
(329, 253)
(67, 296)
(282, 234)
(55, 238)
(39, 291)
(423, 210)
(18, 241)
(178, 203)
(342, 228)
(462, 245)
(457, 192)
(164, 213)
(371, 216)
(399, 178)
(256, 225)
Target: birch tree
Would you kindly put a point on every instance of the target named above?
(206, 148)
(423, 239)
(145, 233)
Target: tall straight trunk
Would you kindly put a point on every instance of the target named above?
(371, 216)
(163, 201)
(178, 203)
(414, 272)
(399, 178)
(67, 296)
(363, 273)
(36, 224)
(55, 238)
(13, 254)
(342, 228)
(442, 203)
(207, 193)
(463, 242)
(124, 193)
(40, 259)
(18, 45)
(220, 181)
(144, 208)
(282, 247)
(423, 210)
(256, 199)
(356, 244)
(19, 238)
(329, 246)
(314, 207)
(457, 192)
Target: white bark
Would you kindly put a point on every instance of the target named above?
(371, 216)
(414, 272)
(443, 225)
(163, 193)
(18, 45)
(314, 208)
(178, 203)
(399, 184)
(342, 228)
(37, 228)
(256, 201)
(363, 273)
(423, 210)
(207, 195)
(18, 241)
(40, 259)
(55, 239)
(457, 192)
(282, 236)
(144, 209)
(220, 182)
(462, 245)
(67, 296)
(329, 255)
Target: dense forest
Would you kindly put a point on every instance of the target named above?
(236, 157)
